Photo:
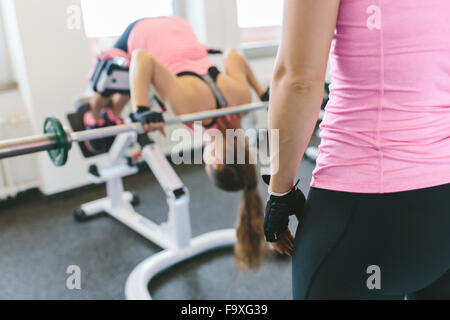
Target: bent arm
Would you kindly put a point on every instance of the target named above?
(141, 74)
(298, 84)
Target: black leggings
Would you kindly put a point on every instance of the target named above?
(405, 234)
(122, 42)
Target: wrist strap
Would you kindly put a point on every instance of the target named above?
(278, 194)
(145, 115)
(283, 194)
(142, 109)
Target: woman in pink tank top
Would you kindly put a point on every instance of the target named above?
(376, 224)
(165, 54)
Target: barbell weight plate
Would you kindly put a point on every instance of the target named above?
(60, 153)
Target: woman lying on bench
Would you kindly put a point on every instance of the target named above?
(166, 54)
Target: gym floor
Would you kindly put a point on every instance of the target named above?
(40, 239)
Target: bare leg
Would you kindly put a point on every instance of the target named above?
(119, 101)
(98, 103)
(95, 119)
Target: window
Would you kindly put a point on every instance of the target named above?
(109, 18)
(260, 20)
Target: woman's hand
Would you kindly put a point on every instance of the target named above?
(231, 121)
(285, 244)
(158, 126)
(276, 219)
(150, 120)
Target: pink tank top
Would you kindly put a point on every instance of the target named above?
(387, 124)
(173, 42)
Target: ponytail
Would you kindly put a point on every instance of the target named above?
(250, 247)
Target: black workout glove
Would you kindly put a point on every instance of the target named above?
(266, 96)
(214, 51)
(278, 210)
(144, 115)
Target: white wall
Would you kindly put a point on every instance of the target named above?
(51, 64)
(17, 174)
(5, 70)
(214, 21)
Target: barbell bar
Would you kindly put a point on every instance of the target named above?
(58, 140)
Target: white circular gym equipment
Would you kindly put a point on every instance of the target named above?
(136, 287)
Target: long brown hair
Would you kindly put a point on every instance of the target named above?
(250, 247)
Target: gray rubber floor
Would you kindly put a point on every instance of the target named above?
(40, 239)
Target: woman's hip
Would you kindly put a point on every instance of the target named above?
(343, 235)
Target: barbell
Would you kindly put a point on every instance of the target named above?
(58, 140)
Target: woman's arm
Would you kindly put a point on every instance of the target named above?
(298, 83)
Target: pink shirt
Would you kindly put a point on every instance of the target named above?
(173, 42)
(387, 124)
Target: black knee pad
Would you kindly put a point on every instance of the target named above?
(111, 76)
